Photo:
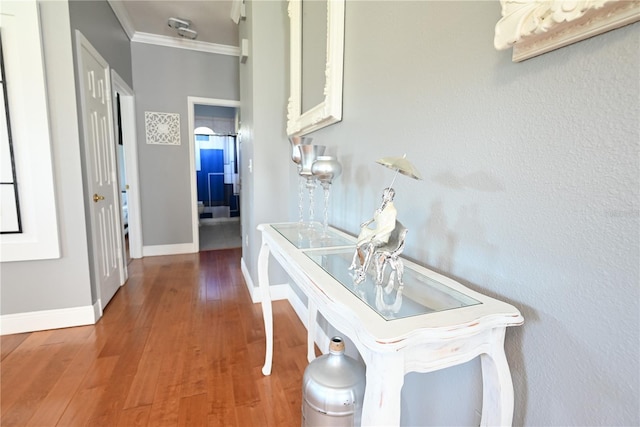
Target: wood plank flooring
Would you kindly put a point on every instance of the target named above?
(181, 344)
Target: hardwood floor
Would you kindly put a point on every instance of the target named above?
(181, 344)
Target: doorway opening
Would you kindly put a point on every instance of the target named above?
(127, 165)
(122, 180)
(215, 173)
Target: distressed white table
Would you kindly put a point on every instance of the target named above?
(431, 323)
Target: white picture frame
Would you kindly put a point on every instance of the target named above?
(535, 27)
(328, 111)
(30, 131)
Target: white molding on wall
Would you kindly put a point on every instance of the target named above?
(159, 250)
(537, 27)
(166, 41)
(278, 292)
(47, 319)
(299, 307)
(329, 111)
(97, 309)
(247, 277)
(140, 37)
(30, 128)
(321, 338)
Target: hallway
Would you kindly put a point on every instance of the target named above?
(180, 344)
(220, 235)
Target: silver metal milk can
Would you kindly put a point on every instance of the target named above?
(333, 389)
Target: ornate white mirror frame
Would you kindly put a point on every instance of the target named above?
(535, 27)
(328, 111)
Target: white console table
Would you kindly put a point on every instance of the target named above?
(431, 323)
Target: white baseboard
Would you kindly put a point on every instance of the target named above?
(299, 307)
(47, 319)
(255, 297)
(284, 291)
(97, 308)
(321, 338)
(216, 221)
(158, 250)
(278, 292)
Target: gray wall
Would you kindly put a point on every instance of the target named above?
(64, 283)
(531, 194)
(263, 139)
(97, 22)
(215, 111)
(163, 78)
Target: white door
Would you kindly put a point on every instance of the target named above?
(102, 179)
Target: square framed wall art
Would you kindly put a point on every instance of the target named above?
(162, 128)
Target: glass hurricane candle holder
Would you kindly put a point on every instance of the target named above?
(309, 154)
(296, 142)
(296, 156)
(325, 169)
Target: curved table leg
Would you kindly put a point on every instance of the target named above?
(311, 330)
(385, 377)
(267, 312)
(497, 386)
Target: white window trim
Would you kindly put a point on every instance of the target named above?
(26, 93)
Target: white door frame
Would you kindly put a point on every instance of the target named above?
(128, 115)
(192, 101)
(83, 42)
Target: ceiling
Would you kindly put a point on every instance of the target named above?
(145, 18)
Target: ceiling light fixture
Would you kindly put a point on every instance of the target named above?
(187, 33)
(182, 28)
(179, 23)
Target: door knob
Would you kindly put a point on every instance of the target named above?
(97, 198)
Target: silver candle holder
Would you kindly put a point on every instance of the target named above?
(325, 169)
(309, 154)
(296, 156)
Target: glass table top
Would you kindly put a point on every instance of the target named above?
(311, 236)
(419, 294)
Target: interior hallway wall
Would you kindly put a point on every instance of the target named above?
(264, 158)
(164, 170)
(98, 23)
(531, 194)
(64, 283)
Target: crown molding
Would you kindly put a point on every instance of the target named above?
(166, 41)
(139, 37)
(123, 16)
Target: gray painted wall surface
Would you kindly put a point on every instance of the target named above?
(531, 194)
(264, 83)
(60, 283)
(97, 22)
(163, 78)
(245, 145)
(214, 111)
(99, 25)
